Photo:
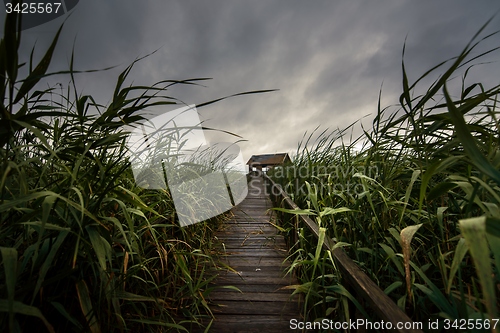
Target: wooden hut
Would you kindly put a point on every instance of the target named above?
(267, 161)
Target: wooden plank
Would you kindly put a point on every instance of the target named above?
(247, 272)
(236, 261)
(275, 269)
(246, 219)
(239, 307)
(228, 234)
(234, 247)
(248, 319)
(245, 225)
(250, 288)
(256, 296)
(248, 242)
(262, 219)
(253, 240)
(242, 234)
(251, 227)
(249, 224)
(244, 252)
(255, 280)
(237, 239)
(249, 324)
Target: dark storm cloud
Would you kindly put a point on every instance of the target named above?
(328, 58)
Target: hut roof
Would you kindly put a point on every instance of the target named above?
(269, 159)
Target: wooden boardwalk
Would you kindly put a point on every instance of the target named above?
(252, 247)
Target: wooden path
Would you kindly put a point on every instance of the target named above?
(256, 253)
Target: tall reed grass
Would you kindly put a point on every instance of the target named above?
(83, 249)
(417, 207)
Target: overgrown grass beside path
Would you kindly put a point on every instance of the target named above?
(417, 207)
(82, 247)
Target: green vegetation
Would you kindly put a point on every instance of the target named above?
(82, 247)
(417, 207)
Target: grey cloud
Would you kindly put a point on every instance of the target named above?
(328, 58)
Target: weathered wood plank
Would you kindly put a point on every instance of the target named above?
(249, 324)
(238, 281)
(246, 307)
(252, 288)
(248, 319)
(242, 241)
(246, 270)
(254, 296)
(234, 261)
(259, 253)
(256, 239)
(234, 246)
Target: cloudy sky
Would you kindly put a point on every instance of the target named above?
(328, 59)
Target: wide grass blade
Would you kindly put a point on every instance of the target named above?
(49, 261)
(100, 246)
(434, 294)
(87, 307)
(234, 95)
(474, 232)
(18, 307)
(9, 261)
(37, 74)
(460, 251)
(468, 141)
